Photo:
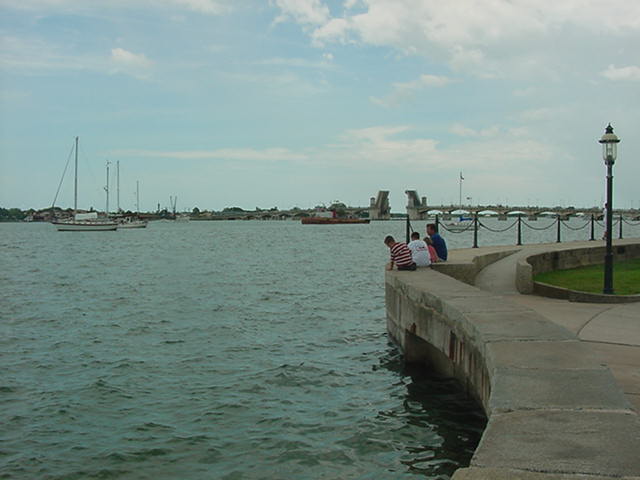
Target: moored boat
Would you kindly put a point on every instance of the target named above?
(130, 222)
(82, 222)
(332, 221)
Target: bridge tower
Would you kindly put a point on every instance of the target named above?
(416, 206)
(379, 206)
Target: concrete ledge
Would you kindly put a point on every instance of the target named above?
(466, 270)
(474, 473)
(554, 409)
(566, 257)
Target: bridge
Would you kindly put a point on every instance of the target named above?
(417, 208)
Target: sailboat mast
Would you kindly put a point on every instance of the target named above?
(106, 211)
(75, 184)
(137, 196)
(460, 200)
(118, 189)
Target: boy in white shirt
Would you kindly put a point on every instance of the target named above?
(419, 251)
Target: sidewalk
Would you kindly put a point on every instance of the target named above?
(611, 330)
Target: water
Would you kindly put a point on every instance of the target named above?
(215, 350)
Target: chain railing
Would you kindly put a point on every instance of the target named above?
(476, 225)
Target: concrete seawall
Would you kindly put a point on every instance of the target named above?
(554, 409)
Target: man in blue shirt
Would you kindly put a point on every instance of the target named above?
(438, 242)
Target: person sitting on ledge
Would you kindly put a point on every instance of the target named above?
(438, 242)
(419, 251)
(432, 251)
(400, 255)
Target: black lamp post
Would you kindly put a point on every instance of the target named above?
(609, 143)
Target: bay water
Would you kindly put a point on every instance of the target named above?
(215, 350)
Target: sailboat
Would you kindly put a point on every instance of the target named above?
(132, 222)
(82, 222)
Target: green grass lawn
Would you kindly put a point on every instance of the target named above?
(626, 278)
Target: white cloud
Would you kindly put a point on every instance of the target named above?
(541, 114)
(463, 131)
(300, 62)
(406, 91)
(305, 12)
(631, 73)
(524, 92)
(375, 134)
(477, 37)
(212, 7)
(335, 30)
(282, 84)
(243, 154)
(32, 55)
(129, 59)
(395, 146)
(383, 147)
(135, 64)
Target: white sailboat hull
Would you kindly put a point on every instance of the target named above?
(76, 226)
(133, 224)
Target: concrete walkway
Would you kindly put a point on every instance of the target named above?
(611, 330)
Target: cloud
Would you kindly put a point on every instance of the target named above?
(404, 92)
(542, 114)
(382, 147)
(135, 64)
(304, 12)
(299, 62)
(462, 131)
(33, 55)
(285, 84)
(130, 59)
(30, 54)
(486, 37)
(242, 154)
(211, 7)
(335, 30)
(524, 92)
(630, 73)
(390, 146)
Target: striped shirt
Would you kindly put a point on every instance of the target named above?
(401, 255)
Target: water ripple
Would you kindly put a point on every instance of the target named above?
(167, 355)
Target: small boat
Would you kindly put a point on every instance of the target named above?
(82, 222)
(332, 221)
(133, 222)
(460, 225)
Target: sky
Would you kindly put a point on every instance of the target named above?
(298, 103)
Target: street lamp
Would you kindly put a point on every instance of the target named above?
(609, 143)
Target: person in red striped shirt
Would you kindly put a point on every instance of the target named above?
(400, 255)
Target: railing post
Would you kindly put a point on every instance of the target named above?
(519, 230)
(593, 221)
(407, 229)
(437, 223)
(620, 234)
(475, 230)
(558, 233)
